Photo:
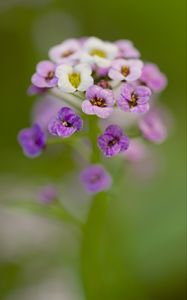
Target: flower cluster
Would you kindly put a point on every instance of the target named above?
(96, 77)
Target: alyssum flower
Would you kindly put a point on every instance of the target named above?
(65, 51)
(71, 79)
(128, 70)
(95, 179)
(65, 123)
(113, 141)
(134, 98)
(45, 75)
(32, 140)
(98, 102)
(101, 78)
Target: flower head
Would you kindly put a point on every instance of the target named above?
(153, 128)
(98, 102)
(96, 51)
(65, 123)
(153, 78)
(71, 79)
(32, 140)
(95, 179)
(126, 49)
(45, 75)
(134, 98)
(65, 51)
(113, 141)
(48, 194)
(128, 70)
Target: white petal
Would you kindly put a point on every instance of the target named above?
(65, 85)
(63, 70)
(83, 69)
(86, 82)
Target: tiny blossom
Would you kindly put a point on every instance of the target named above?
(126, 49)
(153, 127)
(134, 98)
(65, 51)
(101, 53)
(65, 123)
(113, 141)
(153, 78)
(98, 102)
(32, 140)
(48, 194)
(128, 70)
(45, 75)
(71, 79)
(95, 179)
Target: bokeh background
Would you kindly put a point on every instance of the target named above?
(140, 253)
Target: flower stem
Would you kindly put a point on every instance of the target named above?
(70, 99)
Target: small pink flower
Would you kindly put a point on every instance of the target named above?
(128, 70)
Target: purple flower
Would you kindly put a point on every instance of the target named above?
(134, 98)
(45, 75)
(98, 102)
(113, 141)
(65, 123)
(95, 179)
(153, 78)
(48, 194)
(128, 70)
(32, 140)
(127, 49)
(153, 128)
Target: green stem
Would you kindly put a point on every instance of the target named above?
(94, 230)
(94, 132)
(70, 99)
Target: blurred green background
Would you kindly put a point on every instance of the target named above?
(138, 253)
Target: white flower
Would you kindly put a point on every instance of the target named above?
(67, 50)
(71, 79)
(99, 52)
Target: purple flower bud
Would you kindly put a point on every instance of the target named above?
(65, 123)
(153, 78)
(113, 141)
(32, 140)
(95, 179)
(45, 75)
(153, 128)
(134, 98)
(98, 102)
(126, 49)
(48, 194)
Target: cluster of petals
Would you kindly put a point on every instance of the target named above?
(101, 77)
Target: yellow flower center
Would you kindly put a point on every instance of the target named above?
(50, 75)
(98, 52)
(67, 53)
(98, 102)
(75, 79)
(133, 101)
(125, 71)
